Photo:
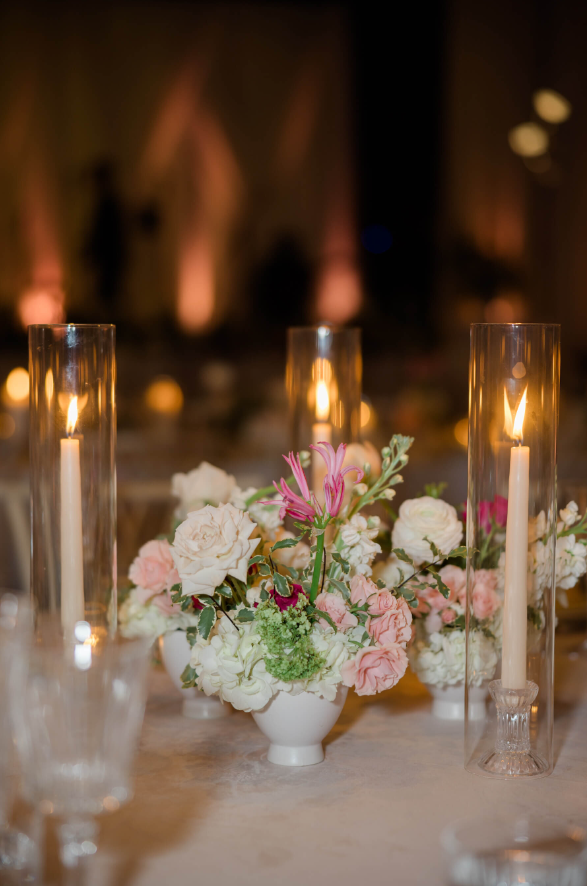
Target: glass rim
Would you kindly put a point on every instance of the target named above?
(317, 326)
(71, 326)
(511, 325)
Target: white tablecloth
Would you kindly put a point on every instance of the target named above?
(209, 808)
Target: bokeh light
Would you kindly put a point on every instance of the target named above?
(551, 106)
(40, 305)
(164, 396)
(461, 432)
(528, 139)
(365, 414)
(7, 426)
(17, 386)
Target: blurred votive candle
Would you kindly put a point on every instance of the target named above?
(321, 433)
(513, 669)
(72, 554)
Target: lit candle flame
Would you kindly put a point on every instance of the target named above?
(71, 417)
(514, 427)
(519, 419)
(322, 401)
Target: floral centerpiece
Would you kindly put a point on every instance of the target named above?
(313, 622)
(438, 651)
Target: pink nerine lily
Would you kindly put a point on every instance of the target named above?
(304, 507)
(334, 480)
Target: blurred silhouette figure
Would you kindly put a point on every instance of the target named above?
(105, 250)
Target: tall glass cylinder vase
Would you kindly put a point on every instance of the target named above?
(511, 547)
(324, 377)
(73, 476)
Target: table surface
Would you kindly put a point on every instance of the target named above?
(210, 809)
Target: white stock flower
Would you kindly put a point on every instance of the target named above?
(355, 543)
(137, 619)
(392, 571)
(571, 561)
(537, 527)
(570, 514)
(205, 485)
(211, 544)
(441, 660)
(426, 516)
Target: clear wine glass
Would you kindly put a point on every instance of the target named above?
(78, 710)
(18, 853)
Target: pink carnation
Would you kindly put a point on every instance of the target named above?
(337, 610)
(455, 579)
(152, 568)
(485, 599)
(375, 668)
(362, 588)
(393, 626)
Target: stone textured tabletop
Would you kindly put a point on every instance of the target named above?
(210, 809)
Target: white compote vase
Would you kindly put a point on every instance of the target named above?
(449, 701)
(175, 652)
(296, 726)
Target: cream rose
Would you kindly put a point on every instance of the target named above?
(430, 517)
(205, 485)
(211, 544)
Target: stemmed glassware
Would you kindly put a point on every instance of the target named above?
(18, 853)
(78, 709)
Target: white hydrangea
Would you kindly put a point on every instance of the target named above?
(355, 543)
(136, 619)
(231, 665)
(441, 661)
(392, 571)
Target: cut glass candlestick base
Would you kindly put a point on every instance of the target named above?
(513, 755)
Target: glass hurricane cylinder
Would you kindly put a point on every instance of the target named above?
(73, 475)
(511, 547)
(324, 377)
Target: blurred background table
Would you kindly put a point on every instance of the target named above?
(210, 809)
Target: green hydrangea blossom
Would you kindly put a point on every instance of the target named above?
(290, 652)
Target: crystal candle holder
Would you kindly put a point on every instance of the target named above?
(324, 377)
(511, 547)
(73, 477)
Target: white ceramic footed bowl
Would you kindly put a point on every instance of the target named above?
(297, 724)
(449, 701)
